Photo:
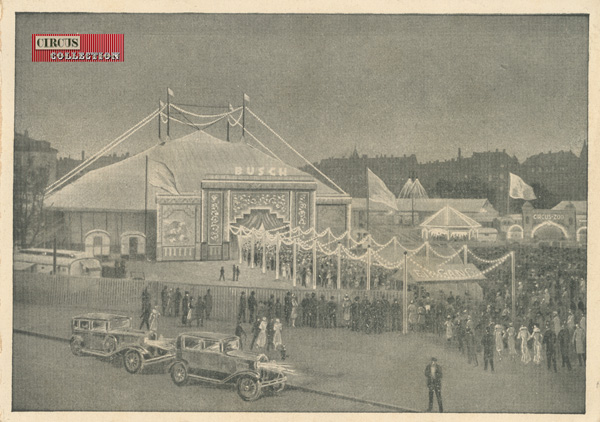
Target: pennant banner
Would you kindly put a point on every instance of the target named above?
(379, 192)
(519, 189)
(160, 176)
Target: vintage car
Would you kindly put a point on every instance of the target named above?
(110, 335)
(217, 359)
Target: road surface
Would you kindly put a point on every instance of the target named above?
(46, 376)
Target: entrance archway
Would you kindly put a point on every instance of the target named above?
(582, 234)
(549, 230)
(514, 232)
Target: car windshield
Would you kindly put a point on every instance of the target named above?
(120, 323)
(232, 345)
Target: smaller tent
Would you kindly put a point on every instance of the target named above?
(449, 224)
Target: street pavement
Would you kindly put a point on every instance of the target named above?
(384, 368)
(47, 377)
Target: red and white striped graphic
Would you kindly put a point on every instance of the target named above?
(88, 48)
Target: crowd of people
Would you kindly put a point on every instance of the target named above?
(549, 315)
(353, 272)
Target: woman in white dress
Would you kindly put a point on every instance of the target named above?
(448, 325)
(537, 345)
(579, 342)
(277, 337)
(510, 339)
(524, 337)
(499, 336)
(294, 314)
(262, 335)
(154, 315)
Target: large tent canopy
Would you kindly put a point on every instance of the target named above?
(187, 161)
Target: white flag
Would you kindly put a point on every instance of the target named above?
(246, 98)
(170, 92)
(379, 192)
(519, 189)
(160, 176)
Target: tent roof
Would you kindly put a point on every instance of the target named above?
(121, 186)
(434, 204)
(449, 218)
(580, 206)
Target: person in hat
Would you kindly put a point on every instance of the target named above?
(448, 325)
(261, 341)
(537, 345)
(294, 313)
(433, 374)
(346, 305)
(185, 307)
(331, 313)
(488, 349)
(564, 343)
(524, 337)
(579, 342)
(510, 340)
(240, 333)
(471, 350)
(242, 307)
(277, 327)
(556, 323)
(550, 341)
(499, 338)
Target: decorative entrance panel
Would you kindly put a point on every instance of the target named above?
(243, 202)
(303, 205)
(178, 228)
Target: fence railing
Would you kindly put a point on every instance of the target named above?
(125, 294)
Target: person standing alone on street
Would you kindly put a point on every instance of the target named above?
(222, 274)
(433, 373)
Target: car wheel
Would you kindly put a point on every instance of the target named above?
(133, 361)
(248, 388)
(110, 345)
(179, 374)
(76, 346)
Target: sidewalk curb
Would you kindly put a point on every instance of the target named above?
(290, 386)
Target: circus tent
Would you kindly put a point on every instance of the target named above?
(449, 223)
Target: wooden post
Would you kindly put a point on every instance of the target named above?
(277, 248)
(405, 296)
(465, 251)
(427, 254)
(339, 266)
(368, 267)
(252, 251)
(513, 289)
(240, 239)
(295, 258)
(314, 274)
(264, 252)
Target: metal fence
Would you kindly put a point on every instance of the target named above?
(125, 294)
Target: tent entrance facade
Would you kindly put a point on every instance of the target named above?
(198, 227)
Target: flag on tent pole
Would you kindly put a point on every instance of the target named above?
(379, 192)
(160, 176)
(246, 98)
(230, 107)
(519, 189)
(161, 104)
(170, 92)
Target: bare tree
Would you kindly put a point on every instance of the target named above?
(30, 182)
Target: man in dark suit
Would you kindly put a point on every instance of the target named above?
(433, 373)
(488, 349)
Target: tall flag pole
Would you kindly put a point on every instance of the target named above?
(169, 94)
(518, 189)
(159, 116)
(368, 198)
(146, 200)
(246, 99)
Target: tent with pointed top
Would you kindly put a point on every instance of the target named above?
(448, 224)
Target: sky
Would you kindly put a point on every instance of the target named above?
(386, 84)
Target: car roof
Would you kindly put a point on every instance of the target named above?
(100, 315)
(208, 335)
